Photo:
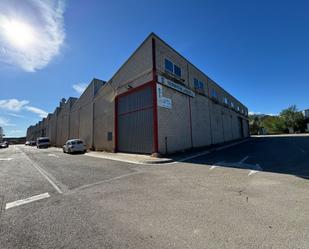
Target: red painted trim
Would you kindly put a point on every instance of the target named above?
(190, 122)
(154, 96)
(155, 118)
(135, 89)
(116, 124)
(138, 110)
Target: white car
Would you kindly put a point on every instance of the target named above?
(42, 142)
(74, 145)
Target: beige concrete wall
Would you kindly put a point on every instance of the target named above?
(63, 122)
(174, 124)
(53, 127)
(212, 121)
(104, 118)
(201, 126)
(86, 123)
(136, 71)
(74, 123)
(81, 118)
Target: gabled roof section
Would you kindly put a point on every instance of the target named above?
(92, 89)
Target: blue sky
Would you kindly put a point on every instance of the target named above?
(256, 50)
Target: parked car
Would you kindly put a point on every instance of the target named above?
(27, 143)
(74, 145)
(42, 142)
(32, 143)
(4, 144)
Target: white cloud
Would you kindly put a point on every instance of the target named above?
(31, 32)
(13, 104)
(260, 113)
(16, 115)
(80, 87)
(15, 133)
(5, 122)
(40, 112)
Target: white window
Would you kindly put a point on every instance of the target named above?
(172, 68)
(225, 101)
(198, 85)
(214, 94)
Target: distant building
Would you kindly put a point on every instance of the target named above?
(306, 113)
(157, 102)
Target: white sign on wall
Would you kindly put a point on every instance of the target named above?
(175, 86)
(163, 101)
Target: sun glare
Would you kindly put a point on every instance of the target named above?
(19, 34)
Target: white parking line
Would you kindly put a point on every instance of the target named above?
(53, 155)
(6, 159)
(48, 179)
(43, 173)
(28, 200)
(252, 172)
(244, 159)
(216, 165)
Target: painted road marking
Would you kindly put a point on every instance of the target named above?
(53, 155)
(255, 171)
(43, 173)
(28, 200)
(244, 159)
(252, 172)
(216, 165)
(6, 159)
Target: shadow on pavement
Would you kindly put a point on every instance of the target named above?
(277, 154)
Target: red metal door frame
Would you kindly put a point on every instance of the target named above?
(153, 85)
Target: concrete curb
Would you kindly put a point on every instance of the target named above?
(165, 160)
(170, 160)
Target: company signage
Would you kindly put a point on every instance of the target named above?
(163, 101)
(175, 86)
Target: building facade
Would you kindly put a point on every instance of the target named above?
(157, 102)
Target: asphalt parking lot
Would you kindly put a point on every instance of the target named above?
(253, 195)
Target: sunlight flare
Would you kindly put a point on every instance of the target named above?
(19, 34)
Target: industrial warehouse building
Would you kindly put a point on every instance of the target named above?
(157, 102)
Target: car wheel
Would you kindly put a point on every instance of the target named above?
(69, 151)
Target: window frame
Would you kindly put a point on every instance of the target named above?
(167, 61)
(174, 68)
(178, 69)
(198, 84)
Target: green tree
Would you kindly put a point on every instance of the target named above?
(274, 124)
(255, 124)
(293, 118)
